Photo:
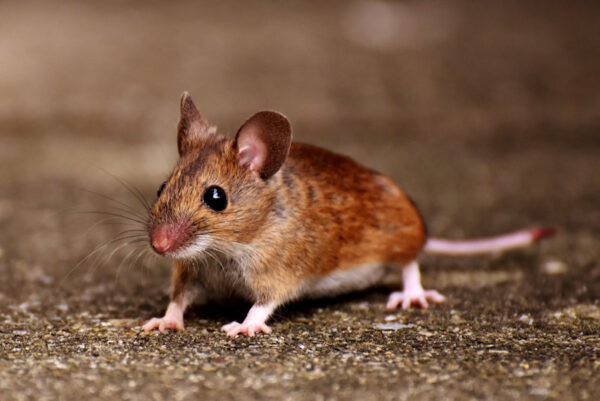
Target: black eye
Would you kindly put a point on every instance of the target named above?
(214, 197)
(161, 189)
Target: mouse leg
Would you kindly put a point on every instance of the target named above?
(414, 293)
(183, 293)
(255, 321)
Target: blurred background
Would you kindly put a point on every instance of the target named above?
(487, 113)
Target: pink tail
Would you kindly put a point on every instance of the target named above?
(500, 243)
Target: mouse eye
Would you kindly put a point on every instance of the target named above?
(161, 189)
(214, 197)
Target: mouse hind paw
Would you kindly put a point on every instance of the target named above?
(406, 299)
(414, 294)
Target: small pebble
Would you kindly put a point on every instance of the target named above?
(393, 326)
(554, 267)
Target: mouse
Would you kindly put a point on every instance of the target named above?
(270, 221)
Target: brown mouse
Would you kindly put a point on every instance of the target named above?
(271, 221)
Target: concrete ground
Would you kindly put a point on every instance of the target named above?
(488, 114)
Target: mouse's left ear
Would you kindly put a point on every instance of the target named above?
(192, 127)
(263, 142)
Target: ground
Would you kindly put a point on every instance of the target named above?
(487, 113)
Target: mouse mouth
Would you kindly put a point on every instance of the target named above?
(194, 249)
(177, 241)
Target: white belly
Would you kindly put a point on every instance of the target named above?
(343, 280)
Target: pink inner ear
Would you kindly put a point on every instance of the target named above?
(252, 151)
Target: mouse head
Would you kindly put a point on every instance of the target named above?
(221, 191)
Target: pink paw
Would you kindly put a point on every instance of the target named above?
(417, 298)
(250, 329)
(163, 324)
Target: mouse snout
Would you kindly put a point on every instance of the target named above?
(167, 237)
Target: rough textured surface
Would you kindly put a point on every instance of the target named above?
(488, 113)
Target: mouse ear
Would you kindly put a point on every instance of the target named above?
(263, 142)
(192, 126)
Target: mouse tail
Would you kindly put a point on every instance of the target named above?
(501, 243)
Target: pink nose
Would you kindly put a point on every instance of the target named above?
(166, 237)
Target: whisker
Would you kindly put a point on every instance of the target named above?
(125, 207)
(98, 249)
(96, 224)
(88, 256)
(131, 189)
(133, 251)
(113, 214)
(130, 213)
(140, 232)
(125, 234)
(118, 248)
(130, 245)
(106, 260)
(149, 256)
(141, 252)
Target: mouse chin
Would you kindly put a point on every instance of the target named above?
(194, 249)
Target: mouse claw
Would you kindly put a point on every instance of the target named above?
(416, 298)
(250, 329)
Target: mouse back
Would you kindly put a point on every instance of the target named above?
(359, 216)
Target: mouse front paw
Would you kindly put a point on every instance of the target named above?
(417, 298)
(172, 320)
(250, 329)
(163, 324)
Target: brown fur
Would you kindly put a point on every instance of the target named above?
(315, 213)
